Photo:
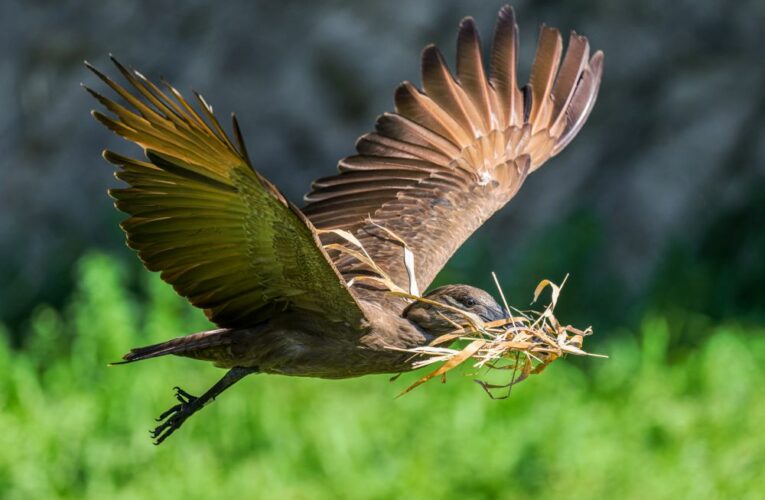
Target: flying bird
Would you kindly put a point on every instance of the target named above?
(287, 287)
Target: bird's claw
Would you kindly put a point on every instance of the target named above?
(183, 396)
(166, 413)
(172, 419)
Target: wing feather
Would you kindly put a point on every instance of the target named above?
(472, 76)
(440, 86)
(504, 63)
(457, 151)
(543, 73)
(214, 228)
(574, 63)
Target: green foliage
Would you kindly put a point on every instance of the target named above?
(639, 425)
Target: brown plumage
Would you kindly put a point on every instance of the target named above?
(432, 172)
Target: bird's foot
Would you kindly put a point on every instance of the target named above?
(173, 418)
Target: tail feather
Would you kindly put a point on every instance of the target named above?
(178, 346)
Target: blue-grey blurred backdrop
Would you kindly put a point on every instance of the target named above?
(661, 192)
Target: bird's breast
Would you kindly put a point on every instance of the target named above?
(279, 348)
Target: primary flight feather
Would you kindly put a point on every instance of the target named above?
(288, 287)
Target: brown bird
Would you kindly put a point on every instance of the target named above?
(289, 295)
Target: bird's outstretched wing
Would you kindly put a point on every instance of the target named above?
(222, 235)
(454, 153)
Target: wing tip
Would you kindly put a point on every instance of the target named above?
(596, 61)
(114, 158)
(506, 22)
(100, 117)
(468, 39)
(114, 60)
(404, 91)
(467, 25)
(430, 55)
(101, 76)
(551, 31)
(506, 14)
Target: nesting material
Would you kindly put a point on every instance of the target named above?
(523, 344)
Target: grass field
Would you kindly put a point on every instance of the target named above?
(641, 424)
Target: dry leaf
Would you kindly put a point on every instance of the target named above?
(527, 340)
(454, 361)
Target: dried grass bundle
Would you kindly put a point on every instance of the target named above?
(522, 344)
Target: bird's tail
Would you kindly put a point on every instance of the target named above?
(189, 345)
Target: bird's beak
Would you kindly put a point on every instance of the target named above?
(497, 314)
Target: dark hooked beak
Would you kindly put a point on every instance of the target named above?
(496, 314)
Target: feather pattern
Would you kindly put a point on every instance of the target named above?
(222, 235)
(457, 151)
(504, 63)
(472, 76)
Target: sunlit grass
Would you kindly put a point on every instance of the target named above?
(632, 426)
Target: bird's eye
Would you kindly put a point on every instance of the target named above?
(469, 302)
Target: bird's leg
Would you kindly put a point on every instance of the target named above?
(187, 405)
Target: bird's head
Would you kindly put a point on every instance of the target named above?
(439, 320)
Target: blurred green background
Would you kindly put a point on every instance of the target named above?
(655, 211)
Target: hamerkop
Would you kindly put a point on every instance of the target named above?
(275, 280)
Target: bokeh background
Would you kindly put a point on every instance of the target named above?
(655, 211)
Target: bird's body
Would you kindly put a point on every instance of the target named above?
(299, 345)
(306, 291)
(306, 346)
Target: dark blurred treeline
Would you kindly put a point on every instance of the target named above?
(657, 205)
